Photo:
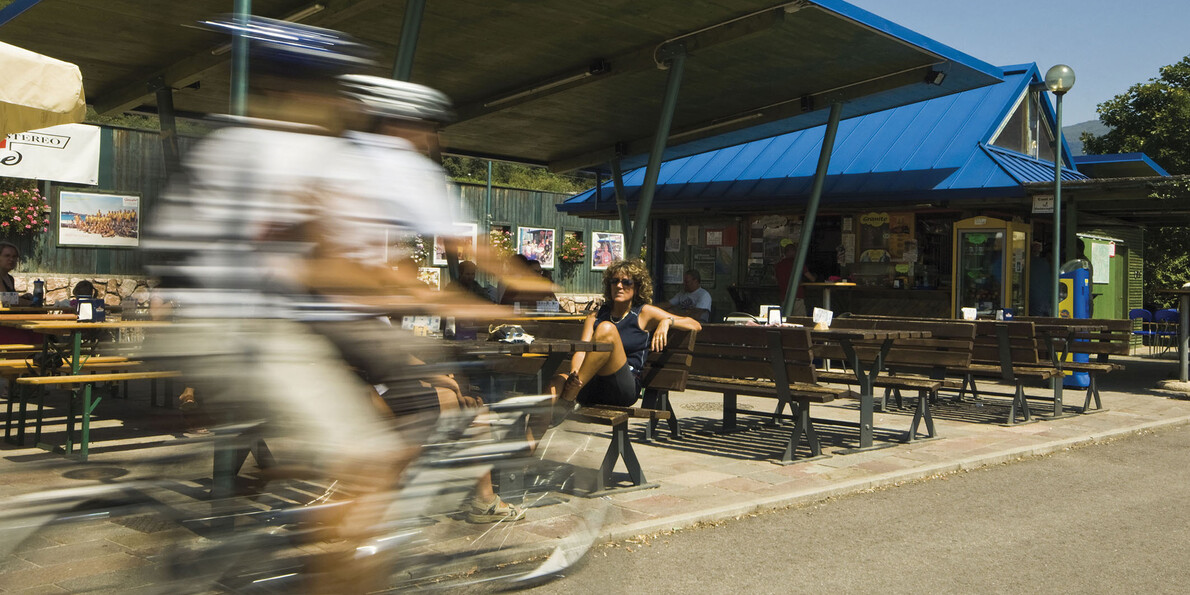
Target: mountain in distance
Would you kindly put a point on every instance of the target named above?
(1073, 133)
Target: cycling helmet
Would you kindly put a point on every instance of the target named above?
(388, 98)
(295, 50)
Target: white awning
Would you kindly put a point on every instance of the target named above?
(37, 91)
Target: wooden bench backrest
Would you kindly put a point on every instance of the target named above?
(728, 351)
(1114, 339)
(665, 370)
(950, 343)
(1022, 342)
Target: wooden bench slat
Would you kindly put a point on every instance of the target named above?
(88, 378)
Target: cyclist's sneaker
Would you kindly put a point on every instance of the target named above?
(493, 511)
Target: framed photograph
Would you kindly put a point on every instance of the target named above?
(467, 233)
(431, 276)
(92, 219)
(536, 243)
(606, 248)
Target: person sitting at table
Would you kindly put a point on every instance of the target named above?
(10, 257)
(693, 300)
(632, 326)
(466, 281)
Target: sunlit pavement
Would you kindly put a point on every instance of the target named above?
(704, 476)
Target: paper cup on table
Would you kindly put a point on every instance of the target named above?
(968, 313)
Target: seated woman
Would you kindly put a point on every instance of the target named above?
(632, 326)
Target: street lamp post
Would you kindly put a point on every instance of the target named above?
(1058, 80)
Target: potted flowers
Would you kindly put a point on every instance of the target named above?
(24, 211)
(573, 250)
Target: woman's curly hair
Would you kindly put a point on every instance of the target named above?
(636, 269)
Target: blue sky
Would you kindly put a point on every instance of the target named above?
(1111, 45)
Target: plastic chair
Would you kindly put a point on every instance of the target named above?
(1167, 327)
(1146, 332)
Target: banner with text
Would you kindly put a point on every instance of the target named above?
(66, 153)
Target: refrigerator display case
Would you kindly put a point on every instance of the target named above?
(990, 269)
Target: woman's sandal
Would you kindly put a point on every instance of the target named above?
(494, 511)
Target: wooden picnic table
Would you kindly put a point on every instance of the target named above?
(68, 324)
(1183, 294)
(866, 370)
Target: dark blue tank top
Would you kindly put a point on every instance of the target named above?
(636, 340)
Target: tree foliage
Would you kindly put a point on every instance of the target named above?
(1154, 118)
(466, 169)
(1151, 118)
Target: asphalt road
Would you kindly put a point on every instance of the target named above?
(1111, 517)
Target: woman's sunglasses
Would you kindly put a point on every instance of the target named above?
(627, 283)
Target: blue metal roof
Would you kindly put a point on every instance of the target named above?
(1121, 165)
(932, 149)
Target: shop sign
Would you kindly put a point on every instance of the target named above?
(874, 219)
(66, 153)
(1043, 203)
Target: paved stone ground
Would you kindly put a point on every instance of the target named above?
(703, 477)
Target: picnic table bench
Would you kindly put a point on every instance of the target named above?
(911, 364)
(1098, 337)
(83, 403)
(1007, 351)
(771, 362)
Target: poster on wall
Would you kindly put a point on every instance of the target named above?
(466, 236)
(105, 220)
(703, 261)
(607, 248)
(674, 273)
(536, 243)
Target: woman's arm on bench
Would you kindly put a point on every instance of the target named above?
(659, 322)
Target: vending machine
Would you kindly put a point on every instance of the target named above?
(1074, 301)
(991, 266)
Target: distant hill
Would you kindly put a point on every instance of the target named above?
(1075, 131)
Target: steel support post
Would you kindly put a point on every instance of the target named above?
(169, 128)
(621, 201)
(803, 249)
(239, 60)
(1056, 249)
(407, 46)
(677, 63)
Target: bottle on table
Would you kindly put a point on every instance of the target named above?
(38, 292)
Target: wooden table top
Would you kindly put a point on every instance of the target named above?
(541, 346)
(64, 326)
(868, 334)
(16, 319)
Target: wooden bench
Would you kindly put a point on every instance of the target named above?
(663, 372)
(919, 364)
(1113, 338)
(1004, 350)
(771, 362)
(18, 396)
(83, 382)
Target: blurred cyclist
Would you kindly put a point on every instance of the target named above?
(247, 263)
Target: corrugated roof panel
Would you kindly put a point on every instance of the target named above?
(857, 144)
(935, 145)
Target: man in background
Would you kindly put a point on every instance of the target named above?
(1041, 282)
(785, 269)
(694, 301)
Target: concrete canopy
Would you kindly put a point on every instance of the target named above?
(555, 82)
